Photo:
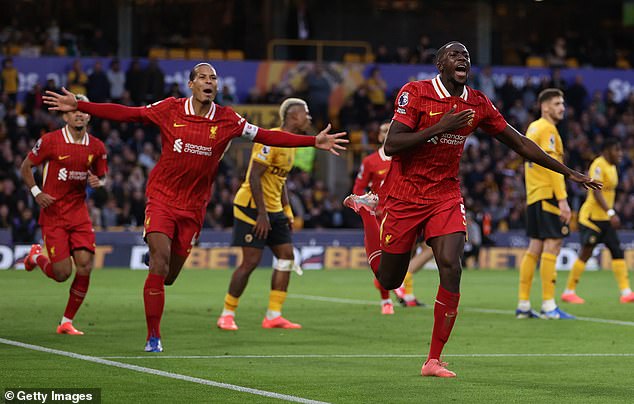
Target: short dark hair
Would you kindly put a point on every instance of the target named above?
(548, 94)
(443, 49)
(610, 142)
(192, 73)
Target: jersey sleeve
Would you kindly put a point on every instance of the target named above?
(363, 178)
(493, 122)
(239, 126)
(99, 165)
(159, 112)
(262, 154)
(407, 106)
(41, 151)
(595, 171)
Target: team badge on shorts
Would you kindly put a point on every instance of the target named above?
(565, 230)
(592, 239)
(388, 238)
(248, 238)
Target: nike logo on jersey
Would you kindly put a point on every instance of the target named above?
(179, 125)
(434, 113)
(63, 157)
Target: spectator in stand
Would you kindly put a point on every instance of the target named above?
(116, 77)
(227, 97)
(558, 53)
(425, 53)
(318, 86)
(174, 91)
(76, 79)
(24, 227)
(155, 82)
(98, 86)
(135, 82)
(376, 91)
(484, 82)
(577, 95)
(9, 76)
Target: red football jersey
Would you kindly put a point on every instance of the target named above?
(428, 172)
(372, 172)
(66, 166)
(191, 150)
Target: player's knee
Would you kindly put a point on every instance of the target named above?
(388, 281)
(159, 264)
(169, 281)
(62, 274)
(616, 252)
(84, 269)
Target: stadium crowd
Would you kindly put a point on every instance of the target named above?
(492, 176)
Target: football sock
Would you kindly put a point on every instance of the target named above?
(527, 270)
(445, 312)
(575, 274)
(386, 301)
(45, 265)
(78, 290)
(276, 300)
(65, 320)
(385, 294)
(371, 239)
(620, 274)
(231, 304)
(408, 283)
(154, 299)
(548, 275)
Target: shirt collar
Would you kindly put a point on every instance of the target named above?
(189, 108)
(68, 137)
(442, 91)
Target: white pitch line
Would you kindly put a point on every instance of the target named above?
(157, 372)
(466, 308)
(364, 356)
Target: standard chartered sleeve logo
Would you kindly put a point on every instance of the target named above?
(62, 175)
(178, 146)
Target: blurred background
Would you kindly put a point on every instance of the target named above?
(348, 59)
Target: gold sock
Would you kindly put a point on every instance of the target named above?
(527, 270)
(276, 300)
(231, 303)
(548, 275)
(575, 274)
(620, 273)
(408, 283)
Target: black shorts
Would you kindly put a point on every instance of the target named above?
(243, 236)
(542, 222)
(601, 232)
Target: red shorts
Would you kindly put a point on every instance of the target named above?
(402, 222)
(60, 241)
(181, 226)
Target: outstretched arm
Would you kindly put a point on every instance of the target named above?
(67, 102)
(531, 151)
(323, 140)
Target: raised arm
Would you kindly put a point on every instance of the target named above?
(531, 151)
(67, 102)
(401, 137)
(323, 140)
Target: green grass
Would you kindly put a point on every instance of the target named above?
(113, 320)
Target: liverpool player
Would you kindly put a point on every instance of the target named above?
(372, 172)
(195, 132)
(421, 193)
(598, 222)
(72, 158)
(262, 216)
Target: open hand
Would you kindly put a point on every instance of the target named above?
(453, 121)
(65, 102)
(330, 142)
(585, 181)
(44, 200)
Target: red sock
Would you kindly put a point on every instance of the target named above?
(372, 241)
(78, 291)
(385, 294)
(154, 299)
(445, 312)
(45, 265)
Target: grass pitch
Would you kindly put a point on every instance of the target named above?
(347, 351)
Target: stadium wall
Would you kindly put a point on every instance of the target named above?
(314, 249)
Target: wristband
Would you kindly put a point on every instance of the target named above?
(611, 212)
(35, 191)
